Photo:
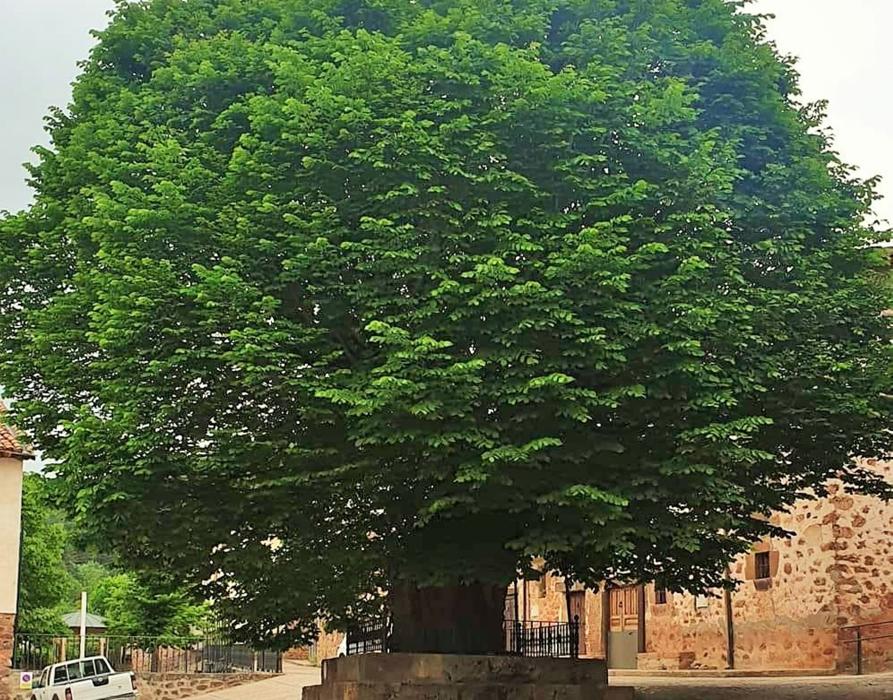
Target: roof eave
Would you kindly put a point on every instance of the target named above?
(15, 454)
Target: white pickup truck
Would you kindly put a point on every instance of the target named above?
(85, 679)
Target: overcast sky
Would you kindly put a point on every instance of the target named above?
(843, 47)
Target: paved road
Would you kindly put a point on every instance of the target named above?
(878, 687)
(285, 687)
(288, 687)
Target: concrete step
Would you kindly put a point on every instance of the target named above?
(437, 668)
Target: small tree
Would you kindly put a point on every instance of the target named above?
(320, 298)
(44, 579)
(133, 608)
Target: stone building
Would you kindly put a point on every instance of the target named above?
(12, 457)
(793, 609)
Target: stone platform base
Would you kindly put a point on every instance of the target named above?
(441, 677)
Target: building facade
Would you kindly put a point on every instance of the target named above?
(794, 609)
(12, 457)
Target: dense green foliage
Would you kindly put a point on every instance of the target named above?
(133, 608)
(44, 581)
(322, 295)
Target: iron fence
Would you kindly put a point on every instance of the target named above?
(528, 638)
(200, 654)
(544, 639)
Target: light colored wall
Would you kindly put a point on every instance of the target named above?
(10, 530)
(326, 646)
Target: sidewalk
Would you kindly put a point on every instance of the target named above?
(877, 687)
(285, 687)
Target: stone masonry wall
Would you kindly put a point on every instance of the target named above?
(7, 624)
(682, 625)
(297, 654)
(835, 570)
(788, 622)
(863, 572)
(169, 686)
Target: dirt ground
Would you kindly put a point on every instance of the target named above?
(819, 688)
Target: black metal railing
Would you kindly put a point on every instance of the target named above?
(528, 638)
(860, 636)
(200, 654)
(544, 639)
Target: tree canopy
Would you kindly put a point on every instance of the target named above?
(322, 297)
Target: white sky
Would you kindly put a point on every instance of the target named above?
(845, 57)
(843, 47)
(41, 42)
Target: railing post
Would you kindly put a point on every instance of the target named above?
(858, 651)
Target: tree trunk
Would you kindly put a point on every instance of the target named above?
(448, 619)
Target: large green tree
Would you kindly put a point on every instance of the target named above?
(319, 298)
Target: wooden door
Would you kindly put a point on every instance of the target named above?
(577, 608)
(624, 608)
(623, 629)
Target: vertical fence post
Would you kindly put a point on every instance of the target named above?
(858, 651)
(575, 638)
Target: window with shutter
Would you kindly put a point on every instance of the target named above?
(762, 566)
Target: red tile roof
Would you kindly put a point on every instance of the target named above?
(9, 440)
